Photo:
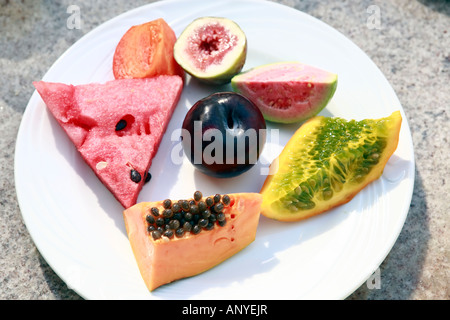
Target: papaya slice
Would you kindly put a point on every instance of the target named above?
(146, 50)
(326, 163)
(183, 245)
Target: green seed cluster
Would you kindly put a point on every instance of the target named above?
(339, 152)
(176, 218)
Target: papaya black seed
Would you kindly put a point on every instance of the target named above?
(196, 229)
(168, 233)
(192, 202)
(150, 219)
(167, 203)
(206, 213)
(220, 217)
(122, 124)
(154, 211)
(194, 209)
(185, 205)
(188, 216)
(156, 234)
(167, 213)
(176, 207)
(203, 222)
(222, 223)
(174, 224)
(187, 226)
(178, 216)
(160, 230)
(179, 232)
(151, 228)
(198, 195)
(202, 206)
(135, 176)
(212, 217)
(209, 201)
(226, 200)
(209, 226)
(218, 207)
(217, 198)
(166, 226)
(159, 222)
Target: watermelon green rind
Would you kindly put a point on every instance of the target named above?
(287, 92)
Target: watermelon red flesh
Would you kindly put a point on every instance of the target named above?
(287, 91)
(89, 114)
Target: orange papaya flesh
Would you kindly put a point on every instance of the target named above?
(165, 260)
(326, 163)
(145, 51)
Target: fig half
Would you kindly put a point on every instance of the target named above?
(212, 49)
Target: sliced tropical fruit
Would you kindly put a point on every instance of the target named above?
(212, 49)
(172, 239)
(116, 126)
(326, 163)
(287, 92)
(146, 50)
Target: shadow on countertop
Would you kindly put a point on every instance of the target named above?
(441, 6)
(400, 272)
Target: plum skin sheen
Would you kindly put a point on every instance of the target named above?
(223, 134)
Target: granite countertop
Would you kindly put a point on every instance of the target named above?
(410, 43)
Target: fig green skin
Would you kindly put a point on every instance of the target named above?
(298, 112)
(212, 79)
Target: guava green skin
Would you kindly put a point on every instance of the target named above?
(298, 112)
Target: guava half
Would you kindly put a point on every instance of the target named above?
(211, 49)
(287, 92)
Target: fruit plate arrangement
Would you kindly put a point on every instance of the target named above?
(78, 226)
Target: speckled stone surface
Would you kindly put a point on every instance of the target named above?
(411, 46)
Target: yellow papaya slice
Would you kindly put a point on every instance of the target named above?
(170, 239)
(326, 163)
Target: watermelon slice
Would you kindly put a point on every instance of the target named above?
(116, 126)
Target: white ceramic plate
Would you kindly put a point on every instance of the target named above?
(78, 226)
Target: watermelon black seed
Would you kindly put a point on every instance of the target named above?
(135, 176)
(148, 176)
(122, 124)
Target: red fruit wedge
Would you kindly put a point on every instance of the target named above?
(116, 126)
(145, 51)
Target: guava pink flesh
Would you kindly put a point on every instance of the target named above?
(89, 114)
(287, 91)
(209, 45)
